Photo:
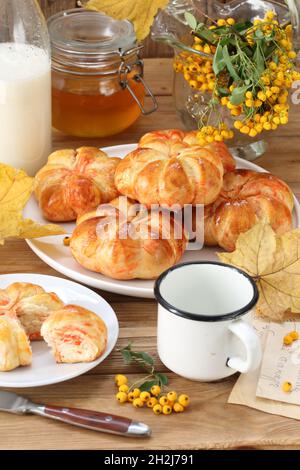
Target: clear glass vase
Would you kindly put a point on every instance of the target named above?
(170, 27)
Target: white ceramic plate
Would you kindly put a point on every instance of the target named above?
(44, 370)
(52, 251)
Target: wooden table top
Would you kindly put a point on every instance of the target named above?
(210, 423)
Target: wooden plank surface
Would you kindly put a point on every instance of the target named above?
(210, 423)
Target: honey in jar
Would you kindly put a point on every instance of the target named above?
(97, 75)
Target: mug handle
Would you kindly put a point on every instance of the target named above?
(251, 341)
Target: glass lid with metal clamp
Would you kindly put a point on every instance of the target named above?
(98, 86)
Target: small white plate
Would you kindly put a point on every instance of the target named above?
(44, 370)
(52, 251)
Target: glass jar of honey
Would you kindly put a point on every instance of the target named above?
(98, 88)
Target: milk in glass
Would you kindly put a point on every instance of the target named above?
(25, 106)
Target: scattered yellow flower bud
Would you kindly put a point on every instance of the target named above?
(157, 409)
(163, 400)
(184, 400)
(144, 396)
(152, 402)
(287, 340)
(130, 397)
(294, 335)
(121, 397)
(120, 380)
(167, 409)
(231, 21)
(138, 403)
(178, 408)
(287, 387)
(136, 392)
(67, 241)
(172, 396)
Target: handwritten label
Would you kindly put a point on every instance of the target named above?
(280, 364)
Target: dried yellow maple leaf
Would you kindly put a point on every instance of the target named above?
(274, 263)
(140, 12)
(15, 189)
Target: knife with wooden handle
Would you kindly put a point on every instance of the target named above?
(95, 420)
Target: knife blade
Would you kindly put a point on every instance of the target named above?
(94, 420)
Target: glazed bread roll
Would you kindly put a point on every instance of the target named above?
(30, 304)
(123, 241)
(170, 167)
(247, 197)
(15, 349)
(75, 181)
(75, 335)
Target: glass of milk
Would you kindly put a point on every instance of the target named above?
(25, 86)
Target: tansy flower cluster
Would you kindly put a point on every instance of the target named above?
(209, 134)
(197, 70)
(249, 70)
(155, 399)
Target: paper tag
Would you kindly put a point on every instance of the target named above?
(280, 364)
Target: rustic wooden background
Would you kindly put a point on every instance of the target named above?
(152, 49)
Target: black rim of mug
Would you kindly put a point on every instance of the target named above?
(200, 317)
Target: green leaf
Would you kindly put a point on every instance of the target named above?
(259, 34)
(214, 102)
(243, 27)
(218, 62)
(229, 64)
(146, 386)
(206, 34)
(259, 59)
(146, 357)
(238, 95)
(191, 20)
(126, 356)
(162, 378)
(223, 91)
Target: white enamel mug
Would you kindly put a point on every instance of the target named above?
(204, 327)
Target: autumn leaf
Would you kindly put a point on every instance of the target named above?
(140, 12)
(15, 189)
(274, 262)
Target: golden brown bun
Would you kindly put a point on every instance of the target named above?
(75, 181)
(75, 334)
(168, 168)
(15, 349)
(102, 246)
(247, 197)
(31, 304)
